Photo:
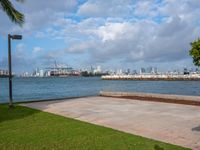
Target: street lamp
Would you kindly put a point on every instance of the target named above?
(13, 37)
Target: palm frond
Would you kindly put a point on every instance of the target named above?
(12, 13)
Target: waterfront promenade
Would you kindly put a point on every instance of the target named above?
(173, 123)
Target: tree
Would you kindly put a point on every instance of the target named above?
(195, 52)
(13, 14)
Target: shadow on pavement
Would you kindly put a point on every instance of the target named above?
(196, 128)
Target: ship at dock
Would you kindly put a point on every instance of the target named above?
(61, 70)
(4, 73)
(56, 70)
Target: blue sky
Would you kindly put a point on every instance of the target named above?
(115, 34)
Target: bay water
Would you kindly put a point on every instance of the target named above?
(26, 89)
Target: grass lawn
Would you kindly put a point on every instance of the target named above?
(25, 128)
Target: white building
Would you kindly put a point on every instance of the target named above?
(41, 73)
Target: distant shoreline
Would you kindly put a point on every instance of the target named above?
(3, 76)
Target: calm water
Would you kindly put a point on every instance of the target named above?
(25, 89)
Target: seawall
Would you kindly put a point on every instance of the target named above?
(167, 98)
(195, 77)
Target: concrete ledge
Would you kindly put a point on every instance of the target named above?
(167, 98)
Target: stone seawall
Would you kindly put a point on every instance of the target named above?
(167, 98)
(195, 77)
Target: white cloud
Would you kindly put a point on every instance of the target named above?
(112, 8)
(80, 47)
(139, 41)
(112, 31)
(39, 14)
(40, 34)
(116, 30)
(37, 49)
(145, 8)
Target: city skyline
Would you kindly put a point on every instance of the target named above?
(134, 34)
(98, 70)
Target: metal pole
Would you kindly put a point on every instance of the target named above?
(10, 71)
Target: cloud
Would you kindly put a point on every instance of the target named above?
(37, 49)
(39, 14)
(145, 8)
(112, 8)
(80, 47)
(139, 41)
(110, 32)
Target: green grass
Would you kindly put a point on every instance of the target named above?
(25, 128)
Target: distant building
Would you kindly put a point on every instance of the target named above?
(185, 71)
(36, 73)
(92, 69)
(4, 73)
(119, 72)
(155, 70)
(25, 74)
(97, 70)
(134, 72)
(152, 70)
(41, 73)
(61, 70)
(142, 71)
(149, 70)
(47, 73)
(128, 71)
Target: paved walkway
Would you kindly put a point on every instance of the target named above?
(173, 123)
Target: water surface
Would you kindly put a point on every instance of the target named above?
(25, 89)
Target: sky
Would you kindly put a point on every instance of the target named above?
(115, 34)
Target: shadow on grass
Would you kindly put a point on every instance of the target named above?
(17, 112)
(157, 147)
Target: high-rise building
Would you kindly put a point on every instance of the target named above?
(134, 72)
(128, 71)
(98, 69)
(4, 72)
(92, 69)
(155, 71)
(142, 71)
(119, 72)
(41, 73)
(149, 70)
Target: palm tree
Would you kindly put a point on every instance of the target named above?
(14, 15)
